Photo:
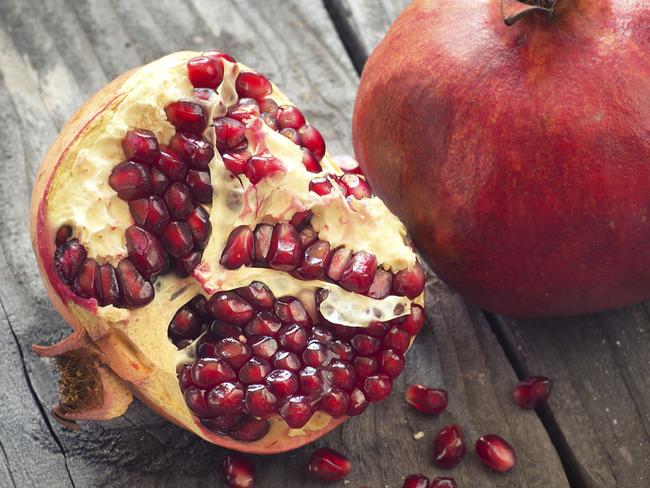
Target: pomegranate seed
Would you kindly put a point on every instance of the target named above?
(184, 378)
(259, 400)
(263, 234)
(308, 236)
(342, 350)
(348, 164)
(321, 186)
(179, 201)
(159, 182)
(254, 371)
(328, 465)
(335, 403)
(222, 330)
(85, 283)
(312, 140)
(209, 372)
(250, 429)
(322, 335)
(359, 273)
(238, 250)
(310, 161)
(134, 289)
(413, 323)
(282, 383)
(171, 165)
(250, 84)
(443, 482)
(68, 259)
(532, 392)
(300, 220)
(409, 282)
(343, 374)
(244, 109)
(263, 346)
(63, 234)
(231, 308)
(150, 213)
(195, 398)
(238, 472)
(264, 323)
(218, 55)
(268, 105)
(391, 363)
(269, 120)
(176, 239)
(340, 261)
(222, 424)
(297, 411)
(186, 324)
(356, 186)
(342, 188)
(365, 345)
(187, 116)
(292, 337)
(130, 180)
(416, 481)
(314, 262)
(314, 354)
(199, 304)
(193, 149)
(448, 447)
(311, 382)
(496, 453)
(226, 398)
(290, 310)
(364, 367)
(205, 72)
(108, 290)
(265, 166)
(285, 250)
(398, 340)
(289, 116)
(292, 135)
(377, 329)
(381, 284)
(258, 295)
(200, 227)
(230, 133)
(205, 94)
(358, 403)
(185, 266)
(377, 387)
(286, 360)
(141, 146)
(236, 161)
(145, 251)
(426, 400)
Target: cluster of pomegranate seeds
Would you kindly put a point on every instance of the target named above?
(431, 401)
(328, 465)
(238, 471)
(258, 355)
(496, 453)
(532, 392)
(448, 447)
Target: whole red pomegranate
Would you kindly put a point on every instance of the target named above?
(517, 156)
(214, 261)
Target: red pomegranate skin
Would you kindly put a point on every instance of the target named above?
(518, 157)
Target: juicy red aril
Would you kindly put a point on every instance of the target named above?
(359, 273)
(292, 338)
(335, 402)
(356, 186)
(250, 429)
(431, 401)
(185, 266)
(321, 186)
(314, 354)
(282, 383)
(68, 259)
(179, 201)
(259, 400)
(141, 146)
(238, 250)
(340, 260)
(496, 453)
(342, 374)
(264, 323)
(85, 283)
(230, 307)
(221, 330)
(365, 345)
(222, 424)
(258, 295)
(532, 392)
(135, 291)
(230, 133)
(236, 161)
(342, 350)
(253, 85)
(218, 55)
(200, 227)
(254, 371)
(184, 378)
(145, 251)
(391, 363)
(263, 346)
(290, 310)
(416, 481)
(195, 398)
(398, 340)
(226, 398)
(196, 150)
(286, 360)
(312, 140)
(377, 387)
(314, 262)
(108, 290)
(308, 236)
(443, 482)
(177, 239)
(63, 234)
(285, 250)
(358, 403)
(159, 181)
(296, 411)
(409, 282)
(268, 105)
(265, 166)
(208, 372)
(245, 108)
(171, 165)
(130, 180)
(300, 220)
(269, 120)
(413, 323)
(381, 284)
(328, 465)
(205, 72)
(238, 472)
(376, 329)
(263, 234)
(292, 135)
(289, 116)
(448, 447)
(186, 324)
(187, 116)
(150, 213)
(311, 381)
(365, 366)
(309, 161)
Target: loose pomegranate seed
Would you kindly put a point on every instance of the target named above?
(413, 323)
(314, 354)
(141, 146)
(236, 161)
(135, 291)
(391, 363)
(200, 227)
(297, 411)
(496, 453)
(225, 398)
(209, 372)
(285, 251)
(68, 259)
(364, 367)
(85, 283)
(238, 472)
(265, 166)
(254, 371)
(310, 161)
(186, 324)
(187, 116)
(314, 262)
(179, 201)
(238, 250)
(171, 165)
(263, 234)
(145, 251)
(292, 135)
(108, 290)
(339, 262)
(290, 310)
(130, 180)
(195, 150)
(443, 482)
(359, 273)
(177, 239)
(431, 401)
(150, 213)
(260, 401)
(321, 186)
(286, 360)
(409, 282)
(398, 340)
(311, 382)
(230, 307)
(532, 392)
(416, 481)
(328, 465)
(244, 109)
(258, 295)
(269, 119)
(312, 140)
(289, 116)
(282, 383)
(263, 346)
(159, 182)
(358, 403)
(377, 387)
(448, 447)
(197, 402)
(264, 323)
(63, 234)
(230, 133)
(268, 105)
(205, 72)
(356, 186)
(381, 284)
(250, 429)
(253, 85)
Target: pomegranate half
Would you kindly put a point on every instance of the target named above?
(517, 156)
(215, 262)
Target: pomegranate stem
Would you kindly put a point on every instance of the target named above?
(514, 10)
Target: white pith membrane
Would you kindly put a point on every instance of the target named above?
(81, 197)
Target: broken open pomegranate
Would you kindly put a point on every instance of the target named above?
(215, 262)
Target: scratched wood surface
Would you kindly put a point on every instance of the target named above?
(55, 53)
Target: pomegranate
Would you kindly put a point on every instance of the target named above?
(532, 392)
(528, 203)
(176, 232)
(496, 453)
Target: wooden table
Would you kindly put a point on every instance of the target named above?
(595, 431)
